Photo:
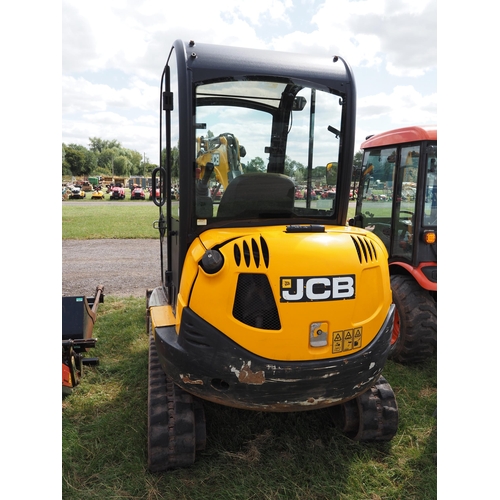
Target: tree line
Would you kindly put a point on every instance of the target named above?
(109, 157)
(103, 157)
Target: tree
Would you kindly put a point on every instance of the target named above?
(74, 162)
(103, 157)
(358, 159)
(294, 169)
(136, 164)
(99, 145)
(174, 161)
(77, 160)
(255, 165)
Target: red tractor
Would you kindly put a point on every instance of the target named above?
(151, 193)
(398, 201)
(137, 193)
(117, 193)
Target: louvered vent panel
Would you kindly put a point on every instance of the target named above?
(365, 249)
(251, 252)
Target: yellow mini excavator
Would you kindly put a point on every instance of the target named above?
(268, 301)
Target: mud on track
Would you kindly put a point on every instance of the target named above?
(123, 267)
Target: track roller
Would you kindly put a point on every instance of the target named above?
(372, 416)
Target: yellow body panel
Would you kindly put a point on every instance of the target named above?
(347, 325)
(162, 316)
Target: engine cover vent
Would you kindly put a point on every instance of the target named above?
(365, 249)
(248, 252)
(254, 302)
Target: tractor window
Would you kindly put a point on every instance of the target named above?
(406, 197)
(282, 137)
(377, 191)
(430, 206)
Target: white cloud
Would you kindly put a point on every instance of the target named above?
(257, 10)
(403, 106)
(403, 35)
(138, 135)
(79, 95)
(107, 118)
(396, 39)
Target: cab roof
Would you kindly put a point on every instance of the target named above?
(402, 135)
(207, 61)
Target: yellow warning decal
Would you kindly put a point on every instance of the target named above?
(357, 340)
(338, 340)
(347, 340)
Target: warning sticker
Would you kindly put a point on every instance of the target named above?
(357, 338)
(347, 340)
(338, 340)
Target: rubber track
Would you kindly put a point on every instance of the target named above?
(171, 420)
(378, 413)
(418, 321)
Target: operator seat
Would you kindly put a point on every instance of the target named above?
(255, 194)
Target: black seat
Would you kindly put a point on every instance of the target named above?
(257, 194)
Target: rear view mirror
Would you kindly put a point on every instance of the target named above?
(299, 103)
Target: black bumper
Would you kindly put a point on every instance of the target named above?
(206, 363)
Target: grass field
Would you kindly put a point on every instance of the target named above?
(249, 455)
(93, 219)
(97, 220)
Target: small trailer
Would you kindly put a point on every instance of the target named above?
(78, 318)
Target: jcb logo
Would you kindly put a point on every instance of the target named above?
(305, 289)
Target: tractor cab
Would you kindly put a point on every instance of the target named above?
(397, 201)
(397, 197)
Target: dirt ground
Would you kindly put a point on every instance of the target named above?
(123, 267)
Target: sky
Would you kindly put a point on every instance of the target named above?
(113, 54)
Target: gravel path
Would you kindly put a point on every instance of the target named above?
(123, 267)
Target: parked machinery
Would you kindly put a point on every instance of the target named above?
(78, 318)
(397, 201)
(267, 302)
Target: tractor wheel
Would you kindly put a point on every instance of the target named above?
(173, 432)
(414, 336)
(372, 416)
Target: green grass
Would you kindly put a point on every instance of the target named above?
(249, 455)
(96, 221)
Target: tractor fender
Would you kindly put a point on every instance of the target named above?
(417, 273)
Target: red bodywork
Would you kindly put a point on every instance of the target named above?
(137, 194)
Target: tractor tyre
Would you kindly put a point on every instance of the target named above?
(414, 336)
(173, 433)
(372, 416)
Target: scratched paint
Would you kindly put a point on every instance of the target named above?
(188, 380)
(247, 376)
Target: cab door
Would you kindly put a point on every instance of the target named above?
(163, 196)
(404, 214)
